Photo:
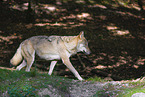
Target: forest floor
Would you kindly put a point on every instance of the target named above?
(27, 84)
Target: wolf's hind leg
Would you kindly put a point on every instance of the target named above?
(23, 64)
(29, 64)
(30, 61)
(53, 63)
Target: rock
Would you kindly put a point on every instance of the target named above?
(108, 79)
(74, 89)
(138, 95)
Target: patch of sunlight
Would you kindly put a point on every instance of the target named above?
(28, 26)
(116, 31)
(98, 5)
(122, 3)
(19, 7)
(69, 25)
(141, 61)
(48, 7)
(119, 32)
(51, 8)
(72, 26)
(130, 14)
(102, 17)
(78, 16)
(104, 67)
(50, 24)
(80, 1)
(8, 38)
(26, 4)
(128, 6)
(136, 7)
(101, 6)
(83, 15)
(100, 67)
(112, 27)
(136, 66)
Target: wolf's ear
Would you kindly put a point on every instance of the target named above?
(81, 35)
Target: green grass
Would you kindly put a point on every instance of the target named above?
(121, 90)
(26, 84)
(96, 79)
(130, 92)
(21, 83)
(16, 83)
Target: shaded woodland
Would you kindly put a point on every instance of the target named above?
(115, 30)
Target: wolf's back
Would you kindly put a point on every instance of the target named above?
(17, 58)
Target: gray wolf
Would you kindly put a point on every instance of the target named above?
(50, 48)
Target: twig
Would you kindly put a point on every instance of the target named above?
(84, 66)
(12, 69)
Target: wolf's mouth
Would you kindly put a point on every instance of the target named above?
(87, 53)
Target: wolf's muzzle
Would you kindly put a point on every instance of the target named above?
(87, 53)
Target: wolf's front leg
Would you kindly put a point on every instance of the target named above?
(67, 62)
(53, 63)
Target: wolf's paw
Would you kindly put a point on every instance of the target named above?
(81, 79)
(18, 69)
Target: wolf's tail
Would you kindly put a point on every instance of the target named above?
(17, 58)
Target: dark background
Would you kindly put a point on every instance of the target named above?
(113, 28)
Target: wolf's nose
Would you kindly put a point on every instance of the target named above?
(88, 52)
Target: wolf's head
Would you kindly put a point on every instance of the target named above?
(83, 44)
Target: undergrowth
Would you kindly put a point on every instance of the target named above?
(25, 84)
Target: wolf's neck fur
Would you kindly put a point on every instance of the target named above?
(70, 43)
